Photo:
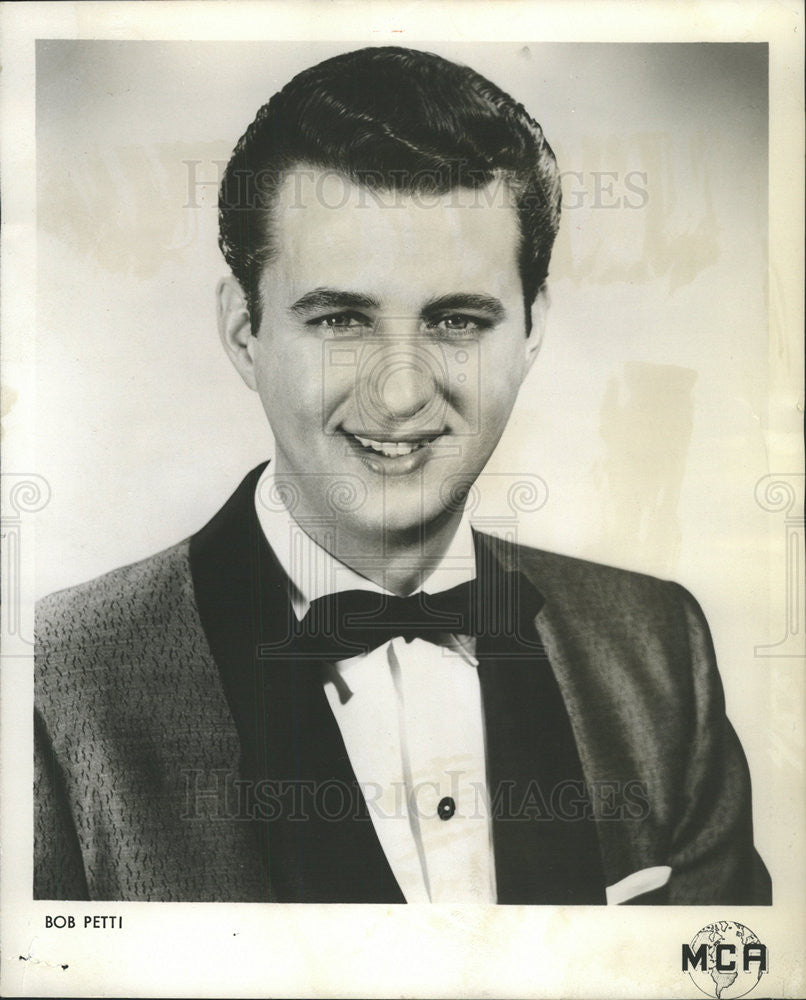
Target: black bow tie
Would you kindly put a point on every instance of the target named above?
(357, 621)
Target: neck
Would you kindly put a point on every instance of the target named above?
(408, 559)
(398, 561)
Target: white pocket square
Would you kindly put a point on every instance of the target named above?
(646, 880)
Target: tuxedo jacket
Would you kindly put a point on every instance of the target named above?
(183, 753)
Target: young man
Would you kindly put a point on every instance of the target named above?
(337, 691)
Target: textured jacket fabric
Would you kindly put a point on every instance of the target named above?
(140, 741)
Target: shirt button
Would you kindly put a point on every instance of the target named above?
(446, 807)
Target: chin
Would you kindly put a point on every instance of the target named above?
(416, 524)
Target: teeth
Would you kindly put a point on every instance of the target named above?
(391, 448)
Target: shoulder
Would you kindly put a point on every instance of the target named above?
(619, 638)
(556, 570)
(124, 656)
(113, 608)
(598, 593)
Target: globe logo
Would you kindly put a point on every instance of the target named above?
(725, 960)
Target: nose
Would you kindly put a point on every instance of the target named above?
(399, 385)
(404, 388)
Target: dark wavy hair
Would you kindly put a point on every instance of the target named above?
(390, 119)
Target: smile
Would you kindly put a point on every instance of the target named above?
(392, 449)
(399, 457)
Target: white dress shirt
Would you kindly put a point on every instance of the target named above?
(410, 715)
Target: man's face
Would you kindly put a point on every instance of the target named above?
(391, 348)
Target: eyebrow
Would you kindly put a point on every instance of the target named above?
(332, 299)
(460, 301)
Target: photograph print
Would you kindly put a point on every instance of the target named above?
(424, 602)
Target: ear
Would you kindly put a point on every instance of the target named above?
(539, 311)
(235, 329)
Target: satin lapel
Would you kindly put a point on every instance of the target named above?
(544, 833)
(314, 838)
(628, 835)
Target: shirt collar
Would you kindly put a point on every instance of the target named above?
(313, 572)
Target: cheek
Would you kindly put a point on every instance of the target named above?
(288, 375)
(502, 367)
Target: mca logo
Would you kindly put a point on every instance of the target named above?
(725, 960)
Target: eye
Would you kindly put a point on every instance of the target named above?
(341, 321)
(459, 323)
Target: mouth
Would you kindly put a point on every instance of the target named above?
(393, 455)
(393, 449)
